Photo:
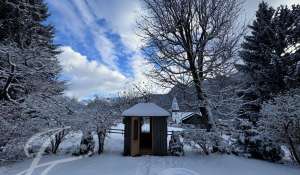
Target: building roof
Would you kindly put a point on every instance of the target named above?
(179, 116)
(145, 110)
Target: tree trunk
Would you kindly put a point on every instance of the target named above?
(291, 143)
(57, 141)
(201, 97)
(101, 138)
(293, 150)
(4, 93)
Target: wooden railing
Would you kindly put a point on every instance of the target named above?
(116, 131)
(121, 131)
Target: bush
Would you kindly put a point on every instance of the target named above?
(87, 145)
(175, 145)
(253, 143)
(263, 148)
(281, 120)
(206, 142)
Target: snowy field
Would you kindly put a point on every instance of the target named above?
(113, 163)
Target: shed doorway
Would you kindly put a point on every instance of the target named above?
(146, 136)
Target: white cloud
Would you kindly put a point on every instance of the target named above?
(140, 68)
(281, 2)
(86, 77)
(69, 17)
(78, 24)
(121, 16)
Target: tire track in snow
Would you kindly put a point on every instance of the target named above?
(144, 166)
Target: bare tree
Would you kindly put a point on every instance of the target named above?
(189, 41)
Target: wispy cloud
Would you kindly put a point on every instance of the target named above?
(103, 33)
(121, 17)
(86, 77)
(106, 28)
(78, 21)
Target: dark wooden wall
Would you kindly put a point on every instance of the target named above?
(159, 131)
(127, 136)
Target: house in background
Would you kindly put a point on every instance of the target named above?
(188, 118)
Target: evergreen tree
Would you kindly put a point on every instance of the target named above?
(270, 55)
(29, 70)
(28, 61)
(256, 58)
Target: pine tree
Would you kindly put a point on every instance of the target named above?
(268, 61)
(28, 69)
(28, 55)
(256, 59)
(270, 56)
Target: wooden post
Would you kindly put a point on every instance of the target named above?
(127, 136)
(135, 136)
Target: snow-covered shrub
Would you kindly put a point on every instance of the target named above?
(103, 116)
(13, 151)
(16, 127)
(281, 120)
(87, 144)
(176, 145)
(204, 141)
(250, 141)
(261, 147)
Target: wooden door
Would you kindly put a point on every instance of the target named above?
(135, 136)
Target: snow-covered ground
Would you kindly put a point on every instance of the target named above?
(113, 163)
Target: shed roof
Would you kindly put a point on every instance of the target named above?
(145, 110)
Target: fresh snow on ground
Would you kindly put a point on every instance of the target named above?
(113, 163)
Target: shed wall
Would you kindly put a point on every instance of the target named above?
(159, 134)
(127, 136)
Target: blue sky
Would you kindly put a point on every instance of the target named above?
(100, 48)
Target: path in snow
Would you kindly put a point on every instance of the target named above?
(113, 163)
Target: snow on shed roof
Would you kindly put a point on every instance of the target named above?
(145, 110)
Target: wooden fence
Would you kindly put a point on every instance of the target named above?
(121, 131)
(116, 131)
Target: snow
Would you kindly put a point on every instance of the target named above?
(146, 110)
(111, 162)
(146, 127)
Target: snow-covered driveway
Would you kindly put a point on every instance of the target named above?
(113, 163)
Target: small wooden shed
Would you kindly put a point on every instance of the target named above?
(145, 130)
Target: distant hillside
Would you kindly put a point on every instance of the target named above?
(186, 95)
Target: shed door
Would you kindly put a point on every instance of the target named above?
(135, 139)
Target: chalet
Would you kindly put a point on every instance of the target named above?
(145, 130)
(188, 118)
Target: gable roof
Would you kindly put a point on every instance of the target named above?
(145, 110)
(191, 115)
(179, 116)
